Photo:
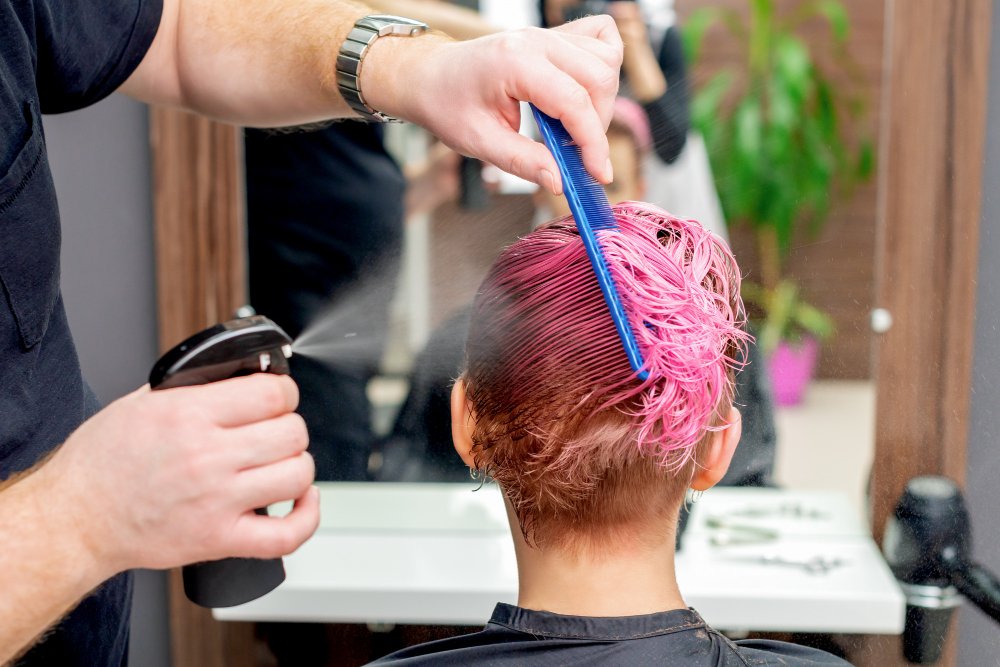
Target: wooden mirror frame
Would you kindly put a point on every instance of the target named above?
(201, 280)
(930, 180)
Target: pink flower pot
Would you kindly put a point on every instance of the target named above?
(791, 367)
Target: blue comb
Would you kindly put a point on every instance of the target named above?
(592, 212)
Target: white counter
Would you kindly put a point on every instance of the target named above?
(442, 554)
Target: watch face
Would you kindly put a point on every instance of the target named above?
(385, 24)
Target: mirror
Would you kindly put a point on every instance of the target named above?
(897, 400)
(327, 215)
(814, 254)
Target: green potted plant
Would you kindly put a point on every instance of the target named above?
(777, 136)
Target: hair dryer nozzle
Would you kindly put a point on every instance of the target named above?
(929, 519)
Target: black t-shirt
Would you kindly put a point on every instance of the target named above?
(324, 211)
(55, 55)
(669, 114)
(325, 218)
(679, 638)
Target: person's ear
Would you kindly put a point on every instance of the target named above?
(462, 423)
(719, 453)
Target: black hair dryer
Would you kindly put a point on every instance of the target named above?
(927, 543)
(240, 347)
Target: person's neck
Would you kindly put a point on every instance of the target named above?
(627, 581)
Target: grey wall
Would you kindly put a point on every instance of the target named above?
(100, 163)
(979, 643)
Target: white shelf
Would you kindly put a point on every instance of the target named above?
(442, 554)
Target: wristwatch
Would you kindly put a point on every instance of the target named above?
(352, 55)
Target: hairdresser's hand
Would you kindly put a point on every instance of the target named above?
(467, 93)
(642, 70)
(165, 478)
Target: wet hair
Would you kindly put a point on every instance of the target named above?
(583, 448)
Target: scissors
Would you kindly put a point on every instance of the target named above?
(726, 533)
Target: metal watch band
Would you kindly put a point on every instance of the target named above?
(352, 54)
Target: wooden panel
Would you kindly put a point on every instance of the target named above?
(930, 182)
(931, 176)
(835, 269)
(200, 267)
(198, 185)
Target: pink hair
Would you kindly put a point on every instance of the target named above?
(556, 403)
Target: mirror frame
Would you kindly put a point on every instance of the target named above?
(201, 280)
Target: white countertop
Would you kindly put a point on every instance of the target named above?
(442, 554)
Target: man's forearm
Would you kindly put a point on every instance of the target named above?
(45, 568)
(273, 62)
(252, 62)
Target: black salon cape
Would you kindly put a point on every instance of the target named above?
(55, 55)
(679, 638)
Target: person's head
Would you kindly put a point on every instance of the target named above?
(548, 406)
(629, 140)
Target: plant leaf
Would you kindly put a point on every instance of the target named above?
(694, 29)
(706, 103)
(748, 123)
(780, 305)
(837, 16)
(812, 320)
(793, 65)
(786, 315)
(866, 160)
(778, 149)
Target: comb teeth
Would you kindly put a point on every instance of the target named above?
(592, 212)
(577, 183)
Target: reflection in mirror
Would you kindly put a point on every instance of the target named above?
(368, 243)
(326, 214)
(786, 98)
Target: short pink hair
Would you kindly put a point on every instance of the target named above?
(576, 440)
